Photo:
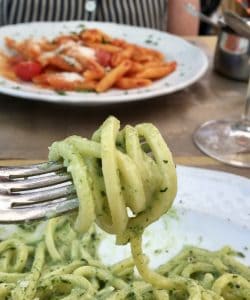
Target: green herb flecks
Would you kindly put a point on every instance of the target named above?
(60, 92)
(172, 213)
(85, 91)
(82, 26)
(105, 41)
(240, 254)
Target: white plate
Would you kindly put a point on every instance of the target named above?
(212, 209)
(192, 62)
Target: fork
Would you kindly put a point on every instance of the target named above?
(191, 9)
(35, 192)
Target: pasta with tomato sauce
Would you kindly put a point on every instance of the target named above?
(87, 61)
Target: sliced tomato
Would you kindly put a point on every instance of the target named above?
(103, 57)
(26, 70)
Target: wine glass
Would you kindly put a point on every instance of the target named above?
(225, 140)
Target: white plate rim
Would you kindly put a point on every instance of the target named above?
(237, 191)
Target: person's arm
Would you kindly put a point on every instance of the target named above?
(180, 22)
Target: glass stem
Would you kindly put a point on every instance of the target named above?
(244, 124)
(246, 114)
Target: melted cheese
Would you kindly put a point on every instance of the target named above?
(44, 57)
(73, 48)
(71, 76)
(85, 51)
(71, 61)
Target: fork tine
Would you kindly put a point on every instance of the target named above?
(39, 211)
(8, 187)
(24, 197)
(30, 170)
(40, 196)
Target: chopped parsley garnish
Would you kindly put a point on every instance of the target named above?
(62, 93)
(105, 41)
(85, 91)
(240, 254)
(103, 193)
(82, 26)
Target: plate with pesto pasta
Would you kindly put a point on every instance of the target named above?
(197, 249)
(207, 235)
(93, 63)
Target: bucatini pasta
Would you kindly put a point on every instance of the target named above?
(86, 61)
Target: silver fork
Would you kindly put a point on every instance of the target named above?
(35, 192)
(191, 9)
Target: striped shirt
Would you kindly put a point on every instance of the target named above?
(146, 13)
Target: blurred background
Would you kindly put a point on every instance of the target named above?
(215, 9)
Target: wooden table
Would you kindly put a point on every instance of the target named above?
(27, 128)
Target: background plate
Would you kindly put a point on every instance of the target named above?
(192, 62)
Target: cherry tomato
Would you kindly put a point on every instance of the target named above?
(26, 70)
(103, 57)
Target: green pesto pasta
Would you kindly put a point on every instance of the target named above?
(125, 180)
(113, 172)
(67, 266)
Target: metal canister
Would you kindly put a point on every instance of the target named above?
(232, 55)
